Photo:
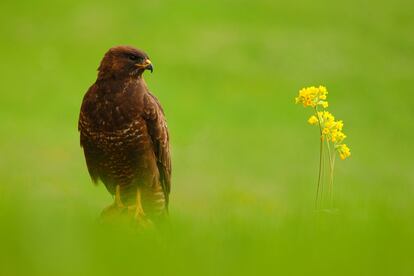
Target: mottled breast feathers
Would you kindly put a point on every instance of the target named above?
(120, 131)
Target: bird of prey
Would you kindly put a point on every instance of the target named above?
(124, 136)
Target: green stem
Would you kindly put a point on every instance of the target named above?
(331, 173)
(320, 160)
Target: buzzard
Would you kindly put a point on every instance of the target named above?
(124, 136)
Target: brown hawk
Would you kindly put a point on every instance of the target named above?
(124, 136)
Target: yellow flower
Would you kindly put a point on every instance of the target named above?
(339, 125)
(344, 151)
(336, 133)
(326, 117)
(337, 136)
(329, 124)
(323, 90)
(313, 120)
(312, 96)
(331, 130)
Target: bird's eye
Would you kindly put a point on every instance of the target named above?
(133, 57)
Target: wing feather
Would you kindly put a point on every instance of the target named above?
(157, 127)
(92, 156)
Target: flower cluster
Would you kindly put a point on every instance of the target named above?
(344, 151)
(330, 128)
(313, 96)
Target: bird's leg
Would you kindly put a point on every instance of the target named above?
(117, 206)
(139, 215)
(118, 201)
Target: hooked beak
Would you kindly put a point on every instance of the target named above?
(146, 65)
(149, 67)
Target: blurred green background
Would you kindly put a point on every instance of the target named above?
(244, 159)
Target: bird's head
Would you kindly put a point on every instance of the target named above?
(124, 61)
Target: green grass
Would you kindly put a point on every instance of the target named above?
(244, 159)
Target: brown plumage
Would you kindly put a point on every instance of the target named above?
(124, 135)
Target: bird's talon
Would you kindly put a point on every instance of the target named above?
(143, 221)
